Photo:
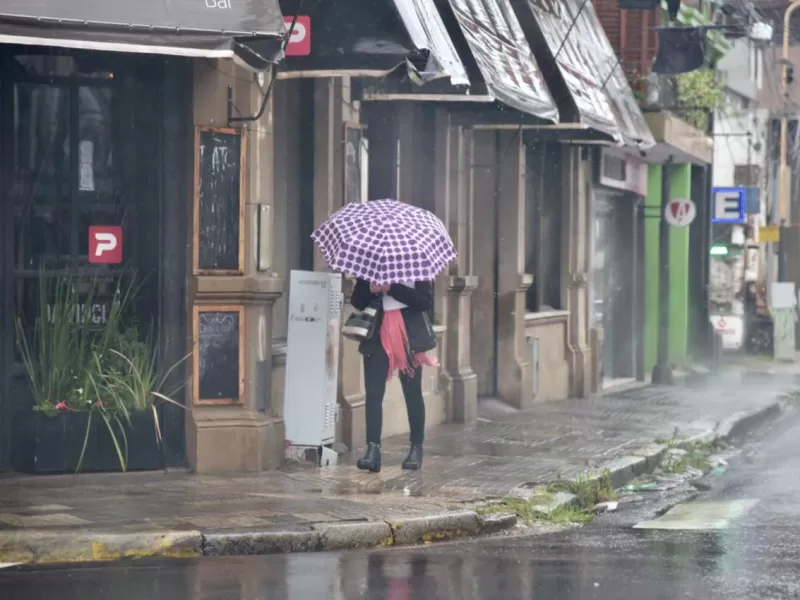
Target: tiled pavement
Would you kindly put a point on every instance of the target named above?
(462, 464)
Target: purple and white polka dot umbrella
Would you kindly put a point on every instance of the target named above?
(385, 241)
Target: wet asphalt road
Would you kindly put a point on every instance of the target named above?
(755, 557)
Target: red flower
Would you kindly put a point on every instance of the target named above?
(62, 405)
(99, 404)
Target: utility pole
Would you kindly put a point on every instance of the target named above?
(783, 184)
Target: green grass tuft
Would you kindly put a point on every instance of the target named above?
(587, 491)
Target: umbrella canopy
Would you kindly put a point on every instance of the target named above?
(385, 242)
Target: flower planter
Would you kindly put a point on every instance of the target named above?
(52, 445)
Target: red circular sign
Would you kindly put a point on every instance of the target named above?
(680, 212)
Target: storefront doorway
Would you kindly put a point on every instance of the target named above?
(614, 267)
(89, 140)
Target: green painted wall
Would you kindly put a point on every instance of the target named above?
(680, 187)
(653, 203)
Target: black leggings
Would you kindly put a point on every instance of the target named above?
(376, 370)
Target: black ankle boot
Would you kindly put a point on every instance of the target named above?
(372, 459)
(413, 461)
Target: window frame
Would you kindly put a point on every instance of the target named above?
(539, 263)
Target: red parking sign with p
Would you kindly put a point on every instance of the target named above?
(105, 245)
(300, 42)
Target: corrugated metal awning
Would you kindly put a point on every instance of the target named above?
(373, 39)
(424, 25)
(250, 32)
(630, 120)
(504, 56)
(557, 41)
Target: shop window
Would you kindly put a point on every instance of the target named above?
(544, 226)
(75, 135)
(64, 174)
(41, 189)
(86, 66)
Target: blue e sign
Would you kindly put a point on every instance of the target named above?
(729, 205)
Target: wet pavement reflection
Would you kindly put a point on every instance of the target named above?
(586, 564)
(756, 556)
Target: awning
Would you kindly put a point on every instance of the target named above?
(249, 31)
(375, 38)
(630, 120)
(563, 45)
(504, 56)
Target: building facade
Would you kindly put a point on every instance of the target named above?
(676, 262)
(514, 169)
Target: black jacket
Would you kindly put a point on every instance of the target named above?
(418, 300)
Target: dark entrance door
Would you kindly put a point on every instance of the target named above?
(603, 265)
(81, 146)
(614, 281)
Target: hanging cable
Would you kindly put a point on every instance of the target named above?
(569, 30)
(273, 77)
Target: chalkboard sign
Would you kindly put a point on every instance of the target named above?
(219, 206)
(219, 354)
(352, 163)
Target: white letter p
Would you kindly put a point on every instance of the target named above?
(106, 242)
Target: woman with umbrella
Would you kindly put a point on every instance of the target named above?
(394, 250)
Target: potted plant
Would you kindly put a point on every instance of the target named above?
(96, 391)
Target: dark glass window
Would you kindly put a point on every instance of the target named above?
(544, 227)
(40, 194)
(98, 200)
(77, 131)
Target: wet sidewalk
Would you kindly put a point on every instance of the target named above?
(503, 452)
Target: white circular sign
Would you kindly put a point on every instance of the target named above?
(680, 212)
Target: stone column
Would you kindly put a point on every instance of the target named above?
(324, 145)
(482, 234)
(575, 270)
(440, 204)
(460, 283)
(514, 367)
(239, 437)
(333, 106)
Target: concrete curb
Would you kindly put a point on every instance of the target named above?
(60, 546)
(70, 546)
(740, 424)
(646, 460)
(356, 535)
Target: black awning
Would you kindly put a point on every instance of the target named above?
(549, 25)
(504, 57)
(374, 38)
(249, 31)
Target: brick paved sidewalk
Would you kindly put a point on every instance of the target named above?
(462, 464)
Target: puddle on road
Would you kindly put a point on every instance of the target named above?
(385, 482)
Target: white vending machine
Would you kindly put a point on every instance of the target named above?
(312, 360)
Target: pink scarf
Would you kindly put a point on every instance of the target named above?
(394, 340)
